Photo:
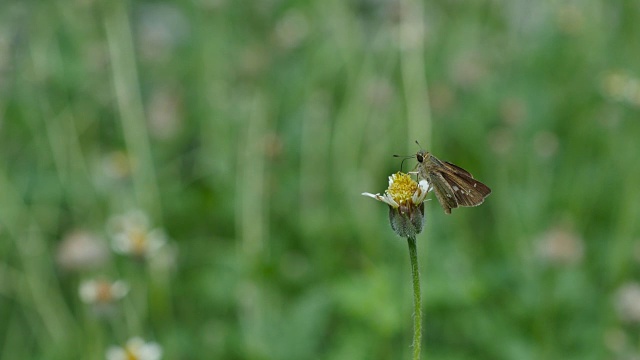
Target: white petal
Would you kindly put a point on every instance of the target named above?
(155, 240)
(121, 243)
(119, 289)
(135, 343)
(116, 353)
(88, 291)
(375, 196)
(421, 193)
(150, 351)
(389, 200)
(384, 198)
(135, 219)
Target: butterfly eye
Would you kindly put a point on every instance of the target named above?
(419, 157)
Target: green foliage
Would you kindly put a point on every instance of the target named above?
(247, 131)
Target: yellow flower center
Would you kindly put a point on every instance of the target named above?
(402, 188)
(138, 241)
(104, 293)
(130, 354)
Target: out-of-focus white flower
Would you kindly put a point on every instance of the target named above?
(131, 235)
(469, 69)
(442, 97)
(513, 111)
(622, 87)
(135, 349)
(102, 292)
(161, 29)
(165, 108)
(546, 144)
(560, 246)
(292, 29)
(117, 165)
(81, 250)
(570, 19)
(627, 302)
(379, 92)
(501, 141)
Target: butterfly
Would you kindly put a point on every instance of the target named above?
(453, 185)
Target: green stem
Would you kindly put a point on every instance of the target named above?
(417, 302)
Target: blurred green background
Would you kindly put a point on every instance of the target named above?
(247, 130)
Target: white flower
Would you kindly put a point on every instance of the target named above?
(81, 250)
(402, 189)
(627, 302)
(117, 165)
(135, 349)
(561, 246)
(102, 291)
(405, 198)
(131, 235)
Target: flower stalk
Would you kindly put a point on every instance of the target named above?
(405, 198)
(417, 300)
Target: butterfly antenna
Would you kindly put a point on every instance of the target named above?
(404, 158)
(402, 163)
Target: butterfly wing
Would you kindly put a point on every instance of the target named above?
(444, 192)
(457, 169)
(467, 190)
(453, 185)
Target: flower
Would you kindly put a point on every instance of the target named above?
(165, 107)
(82, 250)
(627, 302)
(622, 87)
(135, 349)
(117, 165)
(292, 29)
(131, 235)
(102, 291)
(405, 198)
(560, 246)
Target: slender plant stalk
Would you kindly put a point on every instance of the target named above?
(417, 302)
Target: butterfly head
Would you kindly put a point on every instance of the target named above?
(422, 155)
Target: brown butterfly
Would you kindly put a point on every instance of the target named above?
(453, 185)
